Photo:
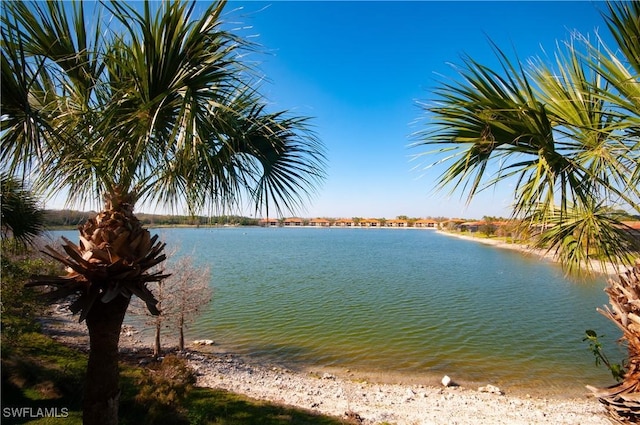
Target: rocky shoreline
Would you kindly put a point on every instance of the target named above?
(397, 404)
(367, 402)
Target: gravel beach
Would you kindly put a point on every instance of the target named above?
(397, 404)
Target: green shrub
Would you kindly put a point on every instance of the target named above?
(21, 306)
(617, 370)
(164, 388)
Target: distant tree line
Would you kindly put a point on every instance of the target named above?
(71, 218)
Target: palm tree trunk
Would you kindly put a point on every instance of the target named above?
(622, 401)
(112, 262)
(102, 387)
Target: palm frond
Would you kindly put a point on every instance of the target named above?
(623, 21)
(26, 105)
(22, 218)
(268, 157)
(587, 235)
(565, 133)
(490, 118)
(147, 108)
(587, 127)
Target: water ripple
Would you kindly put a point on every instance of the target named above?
(405, 301)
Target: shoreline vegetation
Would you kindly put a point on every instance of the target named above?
(609, 269)
(370, 400)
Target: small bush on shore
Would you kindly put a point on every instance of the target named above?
(20, 306)
(163, 389)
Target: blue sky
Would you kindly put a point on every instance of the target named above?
(359, 69)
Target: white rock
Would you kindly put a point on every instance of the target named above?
(446, 381)
(203, 342)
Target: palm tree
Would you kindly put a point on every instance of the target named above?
(623, 20)
(566, 134)
(551, 132)
(156, 106)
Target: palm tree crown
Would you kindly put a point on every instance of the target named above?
(566, 134)
(162, 110)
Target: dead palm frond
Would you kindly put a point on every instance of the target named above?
(623, 400)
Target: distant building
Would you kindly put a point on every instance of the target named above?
(426, 223)
(633, 226)
(344, 222)
(471, 226)
(397, 223)
(268, 222)
(319, 222)
(369, 222)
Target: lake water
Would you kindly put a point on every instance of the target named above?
(407, 302)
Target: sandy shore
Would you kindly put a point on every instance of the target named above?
(609, 270)
(372, 402)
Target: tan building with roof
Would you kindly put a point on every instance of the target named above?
(268, 222)
(293, 222)
(369, 222)
(426, 223)
(319, 222)
(344, 222)
(396, 223)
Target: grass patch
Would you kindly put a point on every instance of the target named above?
(38, 375)
(233, 409)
